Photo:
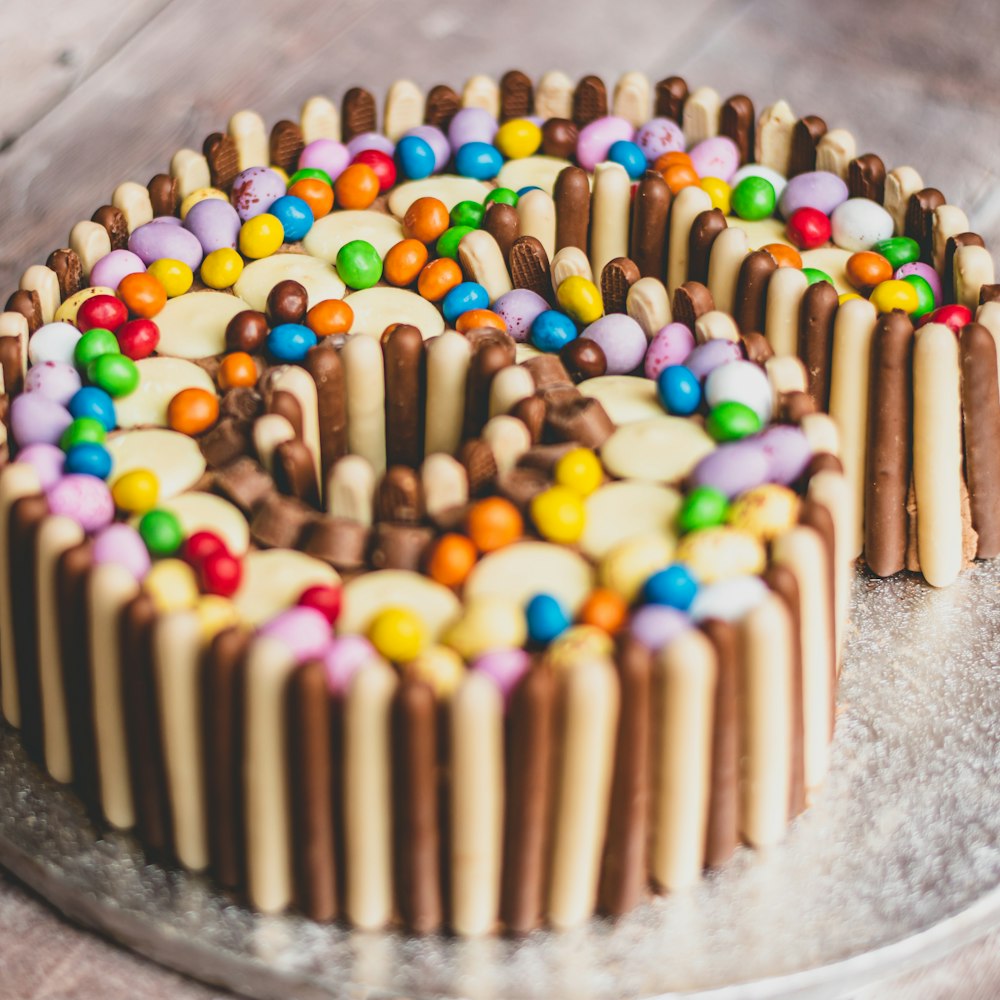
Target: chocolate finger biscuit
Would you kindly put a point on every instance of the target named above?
(805, 138)
(751, 290)
(590, 100)
(405, 388)
(816, 317)
(517, 99)
(529, 266)
(650, 215)
(358, 113)
(737, 122)
(327, 370)
(671, 93)
(572, 197)
(618, 276)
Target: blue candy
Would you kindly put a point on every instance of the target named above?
(546, 617)
(680, 391)
(521, 192)
(468, 295)
(479, 160)
(674, 586)
(88, 459)
(294, 214)
(90, 401)
(414, 157)
(552, 330)
(290, 342)
(630, 156)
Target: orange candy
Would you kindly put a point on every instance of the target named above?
(193, 411)
(426, 219)
(451, 560)
(143, 294)
(674, 157)
(679, 176)
(404, 262)
(867, 269)
(317, 194)
(476, 319)
(330, 316)
(438, 278)
(237, 370)
(784, 255)
(357, 187)
(604, 608)
(493, 523)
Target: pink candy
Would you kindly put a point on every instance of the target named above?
(659, 136)
(85, 499)
(47, 460)
(598, 137)
(670, 346)
(122, 545)
(305, 631)
(718, 157)
(343, 658)
(325, 154)
(505, 666)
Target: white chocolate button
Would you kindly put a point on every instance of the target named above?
(198, 511)
(532, 171)
(626, 398)
(365, 596)
(194, 325)
(273, 579)
(379, 307)
(760, 232)
(330, 233)
(175, 459)
(520, 571)
(318, 278)
(160, 379)
(449, 188)
(620, 511)
(833, 261)
(663, 449)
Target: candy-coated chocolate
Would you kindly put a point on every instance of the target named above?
(705, 358)
(517, 138)
(604, 609)
(720, 553)
(290, 342)
(220, 574)
(161, 532)
(138, 338)
(471, 125)
(215, 224)
(741, 382)
(440, 667)
(93, 344)
(83, 429)
(953, 316)
(287, 302)
(369, 141)
(438, 278)
(519, 308)
(357, 187)
(808, 228)
(246, 331)
(46, 459)
(304, 631)
(493, 523)
(597, 137)
(814, 275)
(673, 587)
(552, 330)
(137, 491)
(670, 346)
(398, 634)
(866, 269)
(329, 317)
(925, 295)
(36, 419)
(261, 236)
(327, 155)
(621, 338)
(122, 545)
(317, 194)
(479, 160)
(104, 311)
(382, 163)
(404, 262)
(426, 219)
(221, 268)
(729, 600)
(88, 459)
(116, 374)
(580, 298)
(254, 189)
(925, 271)
(173, 586)
(679, 390)
(156, 240)
(92, 401)
(451, 559)
(559, 514)
(893, 294)
(505, 667)
(898, 250)
(359, 264)
(580, 471)
(438, 142)
(657, 625)
(547, 618)
(468, 295)
(85, 499)
(175, 276)
(753, 198)
(343, 658)
(53, 379)
(467, 213)
(766, 511)
(818, 189)
(659, 136)
(193, 410)
(776, 180)
(415, 157)
(717, 156)
(447, 244)
(629, 155)
(112, 267)
(54, 342)
(787, 451)
(720, 193)
(294, 214)
(859, 223)
(734, 468)
(583, 359)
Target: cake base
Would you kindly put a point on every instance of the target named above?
(896, 864)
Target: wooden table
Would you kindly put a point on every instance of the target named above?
(97, 92)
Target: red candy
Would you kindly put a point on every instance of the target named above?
(104, 311)
(808, 228)
(138, 338)
(954, 317)
(384, 167)
(200, 545)
(325, 600)
(220, 573)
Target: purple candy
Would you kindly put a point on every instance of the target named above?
(733, 468)
(46, 459)
(85, 499)
(818, 189)
(505, 666)
(154, 241)
(344, 657)
(114, 266)
(718, 157)
(214, 223)
(305, 631)
(656, 624)
(520, 308)
(325, 154)
(471, 125)
(370, 140)
(53, 379)
(438, 142)
(787, 451)
(659, 136)
(36, 419)
(165, 220)
(122, 545)
(255, 190)
(670, 346)
(705, 358)
(597, 138)
(622, 340)
(925, 271)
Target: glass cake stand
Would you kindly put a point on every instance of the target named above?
(897, 864)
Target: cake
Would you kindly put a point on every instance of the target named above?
(451, 526)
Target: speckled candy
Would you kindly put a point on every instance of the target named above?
(471, 125)
(254, 189)
(505, 666)
(214, 223)
(733, 468)
(305, 631)
(718, 157)
(46, 459)
(438, 142)
(597, 138)
(113, 267)
(53, 379)
(705, 358)
(85, 499)
(925, 271)
(787, 451)
(54, 342)
(327, 155)
(670, 346)
(655, 625)
(817, 189)
(859, 223)
(741, 382)
(155, 240)
(122, 545)
(622, 340)
(36, 419)
(659, 136)
(519, 309)
(343, 658)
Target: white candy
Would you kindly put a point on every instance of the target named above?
(859, 223)
(53, 342)
(778, 181)
(741, 382)
(728, 600)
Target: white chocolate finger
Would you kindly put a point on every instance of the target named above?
(610, 208)
(364, 380)
(724, 263)
(689, 204)
(447, 369)
(781, 316)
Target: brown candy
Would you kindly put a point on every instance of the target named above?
(751, 290)
(618, 276)
(287, 302)
(279, 522)
(405, 364)
(246, 331)
(529, 266)
(584, 358)
(650, 213)
(866, 177)
(502, 223)
(590, 100)
(223, 159)
(244, 483)
(68, 270)
(691, 300)
(163, 194)
(559, 137)
(441, 106)
(399, 496)
(671, 94)
(113, 220)
(571, 194)
(706, 226)
(357, 113)
(285, 145)
(244, 403)
(27, 303)
(339, 541)
(919, 223)
(517, 95)
(546, 370)
(805, 138)
(989, 293)
(738, 122)
(792, 406)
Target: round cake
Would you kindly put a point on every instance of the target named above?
(451, 526)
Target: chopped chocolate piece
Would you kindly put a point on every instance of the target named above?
(989, 293)
(399, 496)
(246, 331)
(358, 113)
(502, 223)
(531, 412)
(706, 226)
(244, 483)
(29, 305)
(338, 541)
(400, 546)
(517, 95)
(584, 420)
(757, 347)
(529, 266)
(590, 100)
(225, 442)
(650, 214)
(223, 158)
(571, 195)
(442, 105)
(547, 370)
(243, 403)
(68, 271)
(286, 404)
(113, 220)
(287, 302)
(691, 300)
(805, 138)
(671, 94)
(520, 485)
(618, 276)
(480, 466)
(545, 457)
(295, 471)
(866, 177)
(583, 358)
(738, 122)
(286, 144)
(163, 195)
(559, 137)
(279, 522)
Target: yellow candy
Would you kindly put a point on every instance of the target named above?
(718, 190)
(580, 299)
(559, 514)
(136, 491)
(895, 294)
(66, 313)
(630, 563)
(261, 236)
(202, 194)
(221, 268)
(847, 296)
(721, 553)
(215, 613)
(579, 470)
(487, 623)
(173, 585)
(397, 634)
(765, 511)
(440, 667)
(518, 138)
(175, 276)
(281, 172)
(577, 642)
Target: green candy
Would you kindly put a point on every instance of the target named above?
(93, 344)
(898, 250)
(83, 430)
(161, 531)
(814, 275)
(359, 264)
(703, 507)
(447, 244)
(753, 198)
(116, 374)
(731, 421)
(310, 172)
(506, 196)
(468, 213)
(925, 295)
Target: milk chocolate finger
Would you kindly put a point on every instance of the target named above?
(559, 136)
(327, 370)
(164, 194)
(751, 290)
(442, 105)
(650, 212)
(590, 100)
(805, 138)
(529, 266)
(866, 177)
(502, 223)
(704, 229)
(671, 93)
(113, 220)
(618, 276)
(358, 113)
(890, 410)
(285, 145)
(736, 121)
(920, 219)
(818, 311)
(517, 98)
(405, 388)
(572, 197)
